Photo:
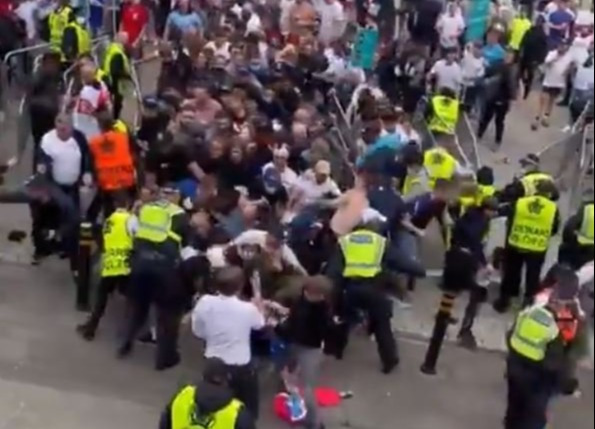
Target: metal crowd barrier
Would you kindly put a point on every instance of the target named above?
(570, 159)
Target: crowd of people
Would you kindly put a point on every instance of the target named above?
(239, 201)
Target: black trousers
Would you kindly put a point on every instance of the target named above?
(527, 74)
(245, 386)
(514, 262)
(497, 111)
(107, 287)
(155, 282)
(528, 400)
(575, 255)
(372, 300)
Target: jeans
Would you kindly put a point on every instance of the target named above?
(405, 247)
(305, 365)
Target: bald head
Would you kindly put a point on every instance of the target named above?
(122, 38)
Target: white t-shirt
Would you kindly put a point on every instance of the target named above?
(27, 11)
(448, 76)
(66, 158)
(450, 28)
(473, 68)
(585, 78)
(580, 49)
(254, 24)
(312, 191)
(89, 102)
(226, 323)
(222, 51)
(556, 69)
(332, 20)
(288, 176)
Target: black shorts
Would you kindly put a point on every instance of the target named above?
(552, 92)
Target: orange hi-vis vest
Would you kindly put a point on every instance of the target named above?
(113, 161)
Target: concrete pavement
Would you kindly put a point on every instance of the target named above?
(51, 379)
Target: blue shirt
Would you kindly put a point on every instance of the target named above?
(424, 208)
(494, 54)
(559, 17)
(184, 22)
(389, 142)
(389, 204)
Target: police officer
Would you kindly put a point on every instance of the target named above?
(209, 404)
(577, 242)
(163, 230)
(439, 164)
(532, 221)
(444, 113)
(58, 20)
(117, 68)
(76, 40)
(357, 268)
(118, 232)
(525, 185)
(535, 366)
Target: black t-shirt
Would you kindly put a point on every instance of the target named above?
(171, 165)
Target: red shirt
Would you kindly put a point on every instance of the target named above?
(6, 7)
(134, 18)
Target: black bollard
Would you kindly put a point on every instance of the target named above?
(83, 281)
(443, 318)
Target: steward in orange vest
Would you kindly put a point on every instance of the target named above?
(112, 157)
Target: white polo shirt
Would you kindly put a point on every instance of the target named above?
(66, 158)
(226, 324)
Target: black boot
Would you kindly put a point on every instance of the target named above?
(467, 340)
(87, 331)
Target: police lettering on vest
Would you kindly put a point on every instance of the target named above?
(534, 330)
(439, 164)
(113, 161)
(446, 115)
(531, 180)
(363, 252)
(585, 234)
(155, 222)
(117, 245)
(184, 413)
(533, 224)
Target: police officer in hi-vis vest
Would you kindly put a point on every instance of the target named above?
(76, 41)
(163, 230)
(358, 268)
(537, 367)
(443, 113)
(118, 232)
(577, 241)
(532, 221)
(117, 68)
(525, 184)
(210, 404)
(57, 22)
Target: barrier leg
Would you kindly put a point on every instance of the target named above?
(83, 282)
(440, 327)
